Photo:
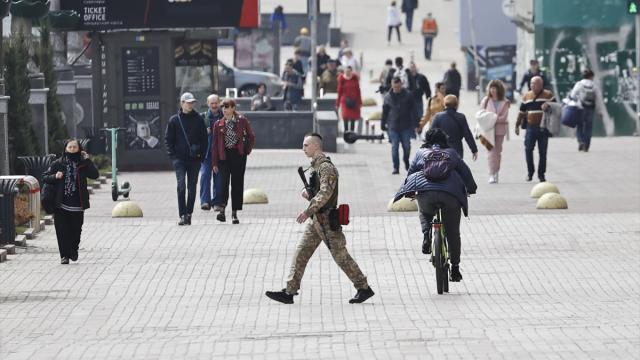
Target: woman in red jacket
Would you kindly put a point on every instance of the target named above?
(233, 140)
(349, 100)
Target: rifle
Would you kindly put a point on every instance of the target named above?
(307, 187)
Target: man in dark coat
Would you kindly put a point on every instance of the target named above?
(419, 87)
(186, 140)
(452, 81)
(399, 119)
(455, 126)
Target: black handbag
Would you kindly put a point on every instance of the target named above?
(48, 197)
(350, 103)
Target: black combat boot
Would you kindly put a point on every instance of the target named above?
(455, 275)
(187, 219)
(280, 296)
(426, 243)
(182, 220)
(362, 295)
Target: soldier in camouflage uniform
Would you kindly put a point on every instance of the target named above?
(324, 183)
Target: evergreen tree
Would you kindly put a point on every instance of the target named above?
(44, 59)
(22, 137)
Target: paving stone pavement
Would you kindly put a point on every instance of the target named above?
(537, 284)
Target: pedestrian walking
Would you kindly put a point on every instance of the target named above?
(261, 101)
(435, 104)
(348, 59)
(448, 194)
(233, 142)
(534, 102)
(299, 66)
(344, 45)
(587, 93)
(323, 227)
(322, 59)
(429, 32)
(496, 102)
(302, 45)
(68, 176)
(455, 126)
(329, 79)
(186, 141)
(400, 120)
(384, 87)
(418, 86)
(293, 85)
(349, 101)
(278, 20)
(452, 81)
(534, 70)
(398, 71)
(210, 182)
(408, 7)
(393, 22)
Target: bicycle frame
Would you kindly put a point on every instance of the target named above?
(437, 225)
(440, 253)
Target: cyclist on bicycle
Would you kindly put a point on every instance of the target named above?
(449, 194)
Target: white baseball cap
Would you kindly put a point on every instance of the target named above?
(187, 97)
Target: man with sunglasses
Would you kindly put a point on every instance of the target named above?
(186, 141)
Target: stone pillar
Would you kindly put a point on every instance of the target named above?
(328, 128)
(67, 96)
(4, 132)
(38, 104)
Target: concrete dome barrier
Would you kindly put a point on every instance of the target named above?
(404, 204)
(369, 102)
(255, 196)
(543, 188)
(377, 115)
(126, 209)
(552, 201)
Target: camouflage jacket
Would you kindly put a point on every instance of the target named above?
(326, 187)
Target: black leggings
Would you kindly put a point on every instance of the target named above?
(68, 229)
(232, 173)
(429, 202)
(390, 29)
(349, 125)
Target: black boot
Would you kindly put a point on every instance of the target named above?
(362, 295)
(221, 217)
(182, 220)
(455, 275)
(187, 219)
(280, 296)
(426, 243)
(234, 218)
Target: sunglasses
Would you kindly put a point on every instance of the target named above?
(225, 106)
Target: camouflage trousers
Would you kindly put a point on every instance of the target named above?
(314, 234)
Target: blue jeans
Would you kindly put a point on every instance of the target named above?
(396, 137)
(409, 19)
(584, 129)
(187, 178)
(209, 184)
(428, 45)
(541, 136)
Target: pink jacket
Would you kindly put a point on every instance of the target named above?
(502, 124)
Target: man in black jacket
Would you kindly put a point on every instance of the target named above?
(452, 81)
(455, 126)
(186, 141)
(399, 119)
(419, 87)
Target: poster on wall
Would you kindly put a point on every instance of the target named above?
(256, 49)
(142, 120)
(496, 63)
(141, 71)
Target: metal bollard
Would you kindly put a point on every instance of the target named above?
(373, 131)
(37, 165)
(8, 189)
(366, 127)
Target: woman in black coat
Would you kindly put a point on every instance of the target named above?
(69, 176)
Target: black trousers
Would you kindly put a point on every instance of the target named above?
(390, 29)
(349, 125)
(232, 172)
(68, 229)
(429, 202)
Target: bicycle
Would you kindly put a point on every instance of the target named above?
(440, 253)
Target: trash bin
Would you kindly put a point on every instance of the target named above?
(37, 165)
(8, 190)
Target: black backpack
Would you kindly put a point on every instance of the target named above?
(438, 164)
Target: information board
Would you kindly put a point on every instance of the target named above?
(141, 71)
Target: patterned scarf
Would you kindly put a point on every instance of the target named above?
(70, 178)
(230, 136)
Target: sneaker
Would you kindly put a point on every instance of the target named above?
(361, 296)
(74, 256)
(187, 219)
(492, 179)
(205, 207)
(426, 244)
(529, 177)
(455, 275)
(395, 172)
(64, 261)
(182, 220)
(234, 219)
(280, 296)
(221, 217)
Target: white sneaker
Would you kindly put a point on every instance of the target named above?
(492, 179)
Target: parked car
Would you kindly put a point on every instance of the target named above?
(246, 81)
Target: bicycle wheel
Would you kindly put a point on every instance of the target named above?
(445, 261)
(438, 261)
